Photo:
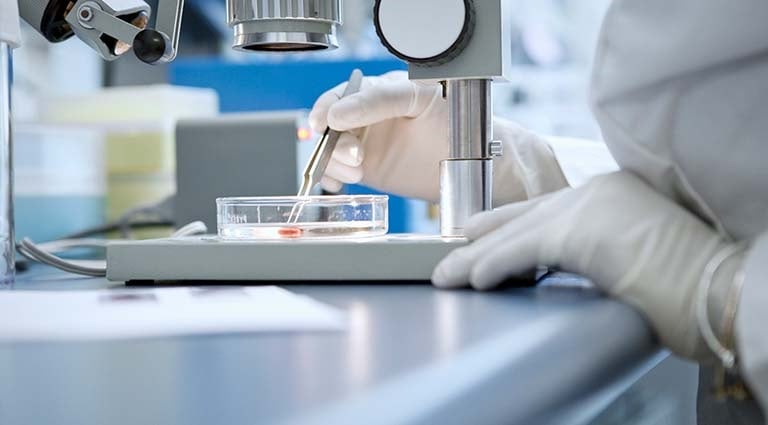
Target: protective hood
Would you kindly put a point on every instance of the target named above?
(680, 90)
(9, 23)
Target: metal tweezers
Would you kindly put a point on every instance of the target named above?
(321, 155)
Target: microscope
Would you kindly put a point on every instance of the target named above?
(462, 45)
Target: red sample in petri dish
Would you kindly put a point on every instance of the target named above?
(290, 232)
(302, 217)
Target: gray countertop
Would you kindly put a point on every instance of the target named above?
(411, 354)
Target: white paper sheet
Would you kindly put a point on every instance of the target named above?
(140, 313)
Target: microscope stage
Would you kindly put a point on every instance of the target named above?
(208, 258)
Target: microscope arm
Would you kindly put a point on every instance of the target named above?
(92, 19)
(111, 27)
(169, 26)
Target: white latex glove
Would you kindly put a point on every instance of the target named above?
(396, 134)
(617, 231)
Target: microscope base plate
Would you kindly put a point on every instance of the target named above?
(207, 258)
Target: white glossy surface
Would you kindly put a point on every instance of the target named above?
(411, 355)
(422, 29)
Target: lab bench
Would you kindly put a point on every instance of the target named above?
(412, 354)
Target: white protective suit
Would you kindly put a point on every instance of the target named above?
(9, 23)
(680, 90)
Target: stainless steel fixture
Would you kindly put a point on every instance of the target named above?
(465, 46)
(284, 25)
(7, 244)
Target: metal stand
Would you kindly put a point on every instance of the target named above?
(466, 176)
(7, 245)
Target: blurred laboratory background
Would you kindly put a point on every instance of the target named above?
(112, 158)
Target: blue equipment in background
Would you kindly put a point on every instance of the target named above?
(267, 86)
(286, 84)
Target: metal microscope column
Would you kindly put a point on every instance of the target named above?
(466, 176)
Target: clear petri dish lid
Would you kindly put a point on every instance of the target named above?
(302, 217)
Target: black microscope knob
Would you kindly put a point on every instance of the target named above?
(149, 46)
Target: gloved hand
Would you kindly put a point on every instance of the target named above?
(617, 231)
(396, 134)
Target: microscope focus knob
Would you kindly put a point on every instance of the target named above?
(149, 46)
(496, 148)
(425, 32)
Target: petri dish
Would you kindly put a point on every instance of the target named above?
(302, 217)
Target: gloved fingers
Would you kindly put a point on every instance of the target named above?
(485, 222)
(453, 271)
(456, 268)
(517, 256)
(395, 76)
(349, 150)
(330, 184)
(343, 172)
(318, 116)
(392, 86)
(380, 102)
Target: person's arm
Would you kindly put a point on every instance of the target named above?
(396, 132)
(630, 241)
(582, 159)
(751, 321)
